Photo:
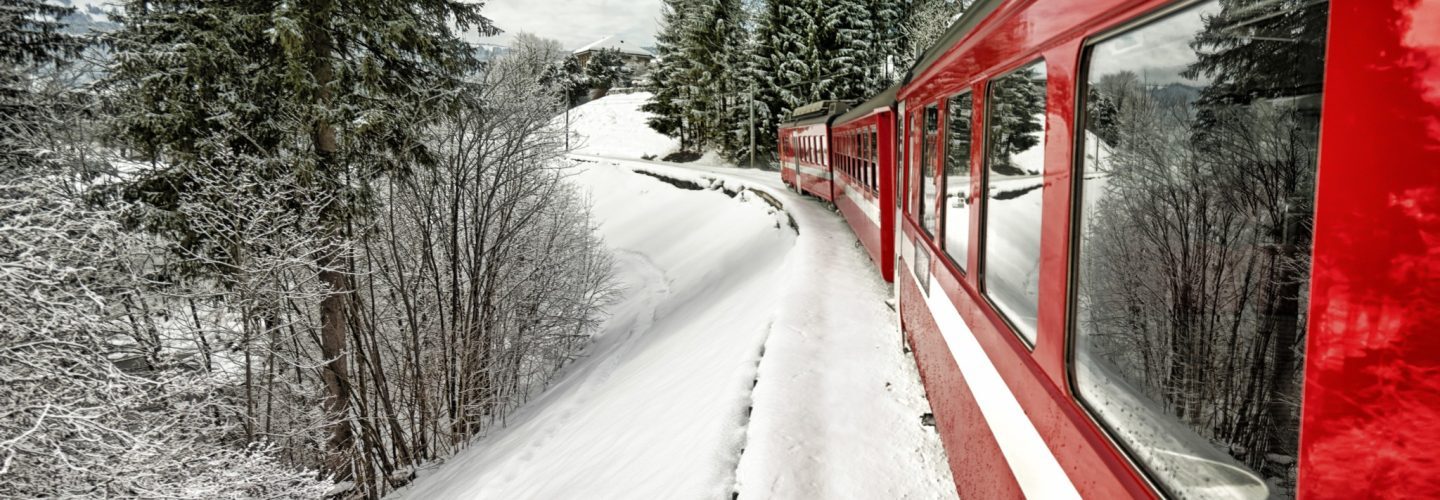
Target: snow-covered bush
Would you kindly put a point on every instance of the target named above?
(92, 403)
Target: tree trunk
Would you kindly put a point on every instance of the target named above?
(333, 308)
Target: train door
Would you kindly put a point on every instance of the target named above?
(897, 183)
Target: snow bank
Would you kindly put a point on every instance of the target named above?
(615, 126)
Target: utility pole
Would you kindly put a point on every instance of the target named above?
(750, 100)
(568, 99)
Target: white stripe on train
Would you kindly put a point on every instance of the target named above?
(872, 212)
(1032, 463)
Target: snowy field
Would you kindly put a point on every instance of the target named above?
(746, 355)
(615, 126)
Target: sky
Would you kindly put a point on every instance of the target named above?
(574, 23)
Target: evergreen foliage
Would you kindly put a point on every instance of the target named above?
(667, 78)
(604, 69)
(31, 36)
(718, 59)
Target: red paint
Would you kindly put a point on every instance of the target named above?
(878, 239)
(1371, 420)
(812, 156)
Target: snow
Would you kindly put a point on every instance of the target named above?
(610, 42)
(745, 357)
(615, 126)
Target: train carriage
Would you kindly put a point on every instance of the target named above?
(805, 145)
(864, 166)
(1131, 245)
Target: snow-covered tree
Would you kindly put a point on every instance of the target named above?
(850, 62)
(31, 37)
(671, 94)
(604, 70)
(924, 24)
(326, 91)
(102, 399)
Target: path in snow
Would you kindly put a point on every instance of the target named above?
(838, 403)
(742, 359)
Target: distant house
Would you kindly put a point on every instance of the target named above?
(637, 59)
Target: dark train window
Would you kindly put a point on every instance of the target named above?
(1195, 211)
(1015, 160)
(957, 178)
(928, 219)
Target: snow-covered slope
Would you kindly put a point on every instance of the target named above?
(747, 356)
(615, 126)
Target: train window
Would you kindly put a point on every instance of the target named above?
(957, 178)
(874, 159)
(864, 140)
(1195, 209)
(1015, 137)
(928, 220)
(913, 179)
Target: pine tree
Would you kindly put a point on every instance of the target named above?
(30, 37)
(329, 92)
(604, 69)
(669, 97)
(794, 52)
(763, 64)
(730, 85)
(848, 64)
(891, 38)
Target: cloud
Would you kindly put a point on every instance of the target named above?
(574, 22)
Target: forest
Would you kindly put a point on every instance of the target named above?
(729, 71)
(276, 249)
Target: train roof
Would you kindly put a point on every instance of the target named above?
(961, 27)
(815, 112)
(885, 99)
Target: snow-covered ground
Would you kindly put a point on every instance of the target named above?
(615, 126)
(747, 356)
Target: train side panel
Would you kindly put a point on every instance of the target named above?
(863, 163)
(1372, 378)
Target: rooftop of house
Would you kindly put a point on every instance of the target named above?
(611, 42)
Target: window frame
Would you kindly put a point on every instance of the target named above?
(1073, 222)
(987, 142)
(930, 159)
(960, 264)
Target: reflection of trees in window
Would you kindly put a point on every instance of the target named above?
(1194, 251)
(1016, 113)
(957, 177)
(928, 220)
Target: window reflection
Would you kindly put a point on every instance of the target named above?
(1199, 161)
(928, 220)
(1015, 161)
(957, 178)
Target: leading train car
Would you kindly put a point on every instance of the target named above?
(805, 149)
(1178, 248)
(863, 162)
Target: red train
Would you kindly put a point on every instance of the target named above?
(1133, 256)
